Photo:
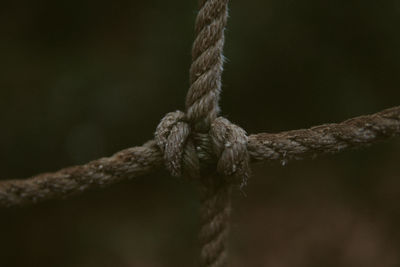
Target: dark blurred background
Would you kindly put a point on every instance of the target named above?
(83, 79)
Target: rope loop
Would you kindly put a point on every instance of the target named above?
(200, 144)
(172, 137)
(230, 146)
(186, 152)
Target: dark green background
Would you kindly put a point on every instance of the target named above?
(83, 79)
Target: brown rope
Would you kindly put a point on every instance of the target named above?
(199, 144)
(207, 64)
(230, 141)
(202, 146)
(126, 164)
(202, 110)
(214, 215)
(137, 161)
(325, 139)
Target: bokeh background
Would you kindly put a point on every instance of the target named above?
(83, 79)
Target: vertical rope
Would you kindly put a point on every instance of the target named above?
(207, 64)
(214, 215)
(201, 110)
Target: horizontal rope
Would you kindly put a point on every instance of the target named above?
(325, 139)
(137, 161)
(126, 164)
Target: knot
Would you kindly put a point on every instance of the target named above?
(172, 137)
(230, 146)
(223, 147)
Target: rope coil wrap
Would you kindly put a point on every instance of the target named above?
(185, 151)
(200, 144)
(189, 153)
(207, 64)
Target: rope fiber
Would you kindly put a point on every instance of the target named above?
(190, 141)
(133, 162)
(200, 145)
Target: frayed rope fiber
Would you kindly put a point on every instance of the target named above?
(199, 144)
(133, 162)
(186, 151)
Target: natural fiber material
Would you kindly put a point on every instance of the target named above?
(214, 215)
(202, 109)
(230, 145)
(123, 165)
(207, 64)
(228, 140)
(225, 142)
(172, 136)
(191, 141)
(264, 147)
(201, 145)
(325, 139)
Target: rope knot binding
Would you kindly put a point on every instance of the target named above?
(202, 145)
(187, 152)
(230, 146)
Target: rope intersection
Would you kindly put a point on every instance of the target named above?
(130, 163)
(189, 152)
(191, 142)
(201, 145)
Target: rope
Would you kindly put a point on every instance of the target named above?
(207, 64)
(195, 141)
(214, 218)
(325, 139)
(133, 162)
(199, 144)
(103, 172)
(228, 140)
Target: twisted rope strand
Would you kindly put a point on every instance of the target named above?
(214, 215)
(190, 141)
(325, 139)
(207, 64)
(229, 141)
(126, 164)
(263, 147)
(178, 134)
(172, 137)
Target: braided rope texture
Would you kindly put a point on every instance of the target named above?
(214, 218)
(126, 164)
(207, 63)
(193, 141)
(199, 144)
(327, 138)
(194, 155)
(202, 109)
(133, 162)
